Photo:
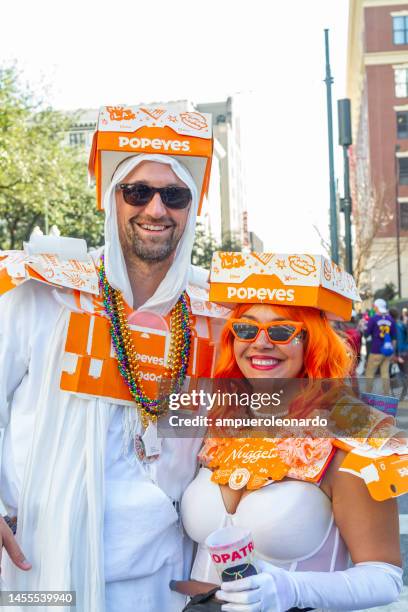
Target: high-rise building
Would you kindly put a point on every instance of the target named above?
(227, 132)
(377, 83)
(256, 244)
(224, 211)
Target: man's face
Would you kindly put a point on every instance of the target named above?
(150, 232)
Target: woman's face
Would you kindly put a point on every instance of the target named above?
(261, 358)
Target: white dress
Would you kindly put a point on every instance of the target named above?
(291, 522)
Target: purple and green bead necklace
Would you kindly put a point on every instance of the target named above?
(126, 353)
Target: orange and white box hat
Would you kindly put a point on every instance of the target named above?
(126, 130)
(287, 279)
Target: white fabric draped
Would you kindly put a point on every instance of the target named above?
(54, 453)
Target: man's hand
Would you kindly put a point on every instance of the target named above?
(15, 553)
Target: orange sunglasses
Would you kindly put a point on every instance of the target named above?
(278, 332)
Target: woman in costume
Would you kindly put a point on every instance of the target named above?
(310, 518)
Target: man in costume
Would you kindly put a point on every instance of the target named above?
(84, 345)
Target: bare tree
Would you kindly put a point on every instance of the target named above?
(373, 211)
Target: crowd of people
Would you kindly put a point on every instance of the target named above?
(378, 338)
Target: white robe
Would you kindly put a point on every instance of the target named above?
(88, 520)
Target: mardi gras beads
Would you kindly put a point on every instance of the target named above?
(126, 354)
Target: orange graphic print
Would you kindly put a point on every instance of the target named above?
(154, 113)
(120, 113)
(246, 462)
(304, 264)
(264, 258)
(75, 279)
(7, 282)
(389, 473)
(49, 273)
(327, 271)
(194, 120)
(91, 368)
(231, 260)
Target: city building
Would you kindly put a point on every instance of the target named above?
(227, 134)
(256, 244)
(377, 84)
(224, 211)
(83, 127)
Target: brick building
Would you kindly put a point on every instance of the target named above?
(377, 83)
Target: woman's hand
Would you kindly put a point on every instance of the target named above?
(15, 553)
(272, 589)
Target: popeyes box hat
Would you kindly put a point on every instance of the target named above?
(126, 130)
(285, 279)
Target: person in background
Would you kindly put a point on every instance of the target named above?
(382, 329)
(353, 335)
(365, 339)
(402, 348)
(351, 332)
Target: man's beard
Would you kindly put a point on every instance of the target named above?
(150, 249)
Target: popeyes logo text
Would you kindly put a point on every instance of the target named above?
(151, 359)
(235, 555)
(154, 143)
(248, 293)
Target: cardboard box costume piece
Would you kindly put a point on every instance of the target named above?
(124, 131)
(49, 267)
(285, 279)
(90, 366)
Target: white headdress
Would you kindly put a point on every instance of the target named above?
(175, 281)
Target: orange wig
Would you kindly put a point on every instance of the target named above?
(326, 354)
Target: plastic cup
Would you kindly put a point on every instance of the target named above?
(232, 552)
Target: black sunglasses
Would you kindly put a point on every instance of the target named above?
(140, 194)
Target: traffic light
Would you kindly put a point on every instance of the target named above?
(344, 114)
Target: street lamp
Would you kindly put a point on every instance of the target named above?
(333, 212)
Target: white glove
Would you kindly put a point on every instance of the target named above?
(275, 590)
(272, 589)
